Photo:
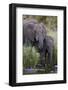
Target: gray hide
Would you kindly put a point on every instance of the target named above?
(28, 31)
(32, 30)
(40, 34)
(47, 48)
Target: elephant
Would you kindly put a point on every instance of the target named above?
(33, 33)
(47, 49)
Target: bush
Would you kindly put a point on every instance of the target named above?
(30, 57)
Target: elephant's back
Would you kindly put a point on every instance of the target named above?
(50, 41)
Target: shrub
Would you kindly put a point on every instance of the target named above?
(30, 57)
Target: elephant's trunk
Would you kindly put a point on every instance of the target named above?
(40, 43)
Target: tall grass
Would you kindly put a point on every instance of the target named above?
(30, 57)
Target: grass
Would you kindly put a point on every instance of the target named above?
(30, 57)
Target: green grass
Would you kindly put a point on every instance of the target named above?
(30, 57)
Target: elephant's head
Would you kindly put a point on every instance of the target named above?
(34, 32)
(40, 33)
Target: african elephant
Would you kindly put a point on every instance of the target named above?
(47, 49)
(34, 32)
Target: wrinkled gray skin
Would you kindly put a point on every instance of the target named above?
(33, 32)
(47, 48)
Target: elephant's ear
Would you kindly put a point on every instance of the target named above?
(30, 27)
